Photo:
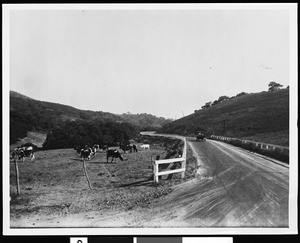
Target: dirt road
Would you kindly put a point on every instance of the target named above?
(233, 188)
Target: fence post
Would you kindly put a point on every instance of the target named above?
(183, 164)
(155, 172)
(17, 176)
(86, 175)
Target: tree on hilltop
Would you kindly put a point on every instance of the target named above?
(241, 94)
(207, 105)
(273, 86)
(223, 98)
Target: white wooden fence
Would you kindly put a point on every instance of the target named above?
(182, 159)
(263, 148)
(259, 145)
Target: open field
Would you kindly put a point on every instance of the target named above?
(54, 185)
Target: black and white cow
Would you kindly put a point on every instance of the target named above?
(114, 154)
(126, 147)
(86, 153)
(134, 148)
(22, 152)
(96, 147)
(94, 150)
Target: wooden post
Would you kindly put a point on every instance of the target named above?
(155, 172)
(84, 167)
(17, 176)
(183, 166)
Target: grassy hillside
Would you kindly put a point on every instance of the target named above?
(244, 116)
(145, 121)
(27, 114)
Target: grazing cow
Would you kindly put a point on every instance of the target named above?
(94, 150)
(114, 154)
(23, 152)
(134, 148)
(126, 147)
(145, 146)
(96, 147)
(86, 152)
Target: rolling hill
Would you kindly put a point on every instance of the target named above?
(246, 116)
(27, 114)
(145, 121)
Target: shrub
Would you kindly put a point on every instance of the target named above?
(88, 133)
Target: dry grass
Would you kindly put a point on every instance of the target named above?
(55, 184)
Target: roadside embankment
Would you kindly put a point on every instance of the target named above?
(277, 152)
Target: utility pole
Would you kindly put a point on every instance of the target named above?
(182, 114)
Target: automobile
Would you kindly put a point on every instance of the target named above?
(200, 136)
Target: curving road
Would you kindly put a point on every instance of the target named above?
(234, 188)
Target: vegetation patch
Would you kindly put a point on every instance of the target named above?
(89, 133)
(173, 147)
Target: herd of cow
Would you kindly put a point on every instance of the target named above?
(22, 152)
(85, 152)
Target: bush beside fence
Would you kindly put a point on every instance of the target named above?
(277, 152)
(181, 160)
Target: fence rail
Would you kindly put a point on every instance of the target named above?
(182, 159)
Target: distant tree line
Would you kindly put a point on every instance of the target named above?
(220, 100)
(145, 121)
(74, 133)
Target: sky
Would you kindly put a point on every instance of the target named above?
(163, 62)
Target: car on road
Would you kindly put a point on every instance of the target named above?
(200, 136)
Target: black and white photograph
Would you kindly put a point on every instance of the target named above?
(156, 119)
